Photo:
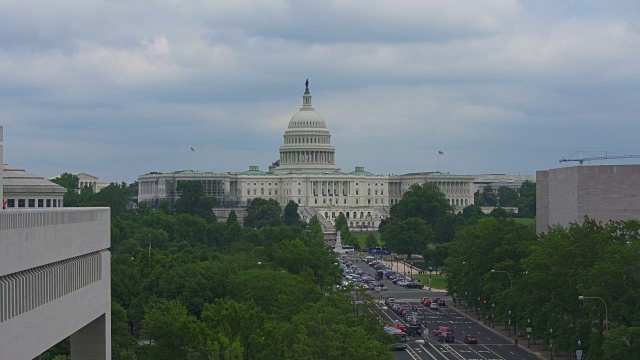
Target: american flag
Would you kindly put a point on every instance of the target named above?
(440, 152)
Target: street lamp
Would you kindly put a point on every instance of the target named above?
(606, 312)
(509, 323)
(506, 272)
(528, 333)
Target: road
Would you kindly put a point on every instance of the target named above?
(491, 346)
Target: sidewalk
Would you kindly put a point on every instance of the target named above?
(536, 347)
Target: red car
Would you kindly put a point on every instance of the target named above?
(426, 301)
(470, 339)
(442, 329)
(400, 326)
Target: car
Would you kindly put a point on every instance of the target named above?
(398, 347)
(413, 330)
(400, 326)
(442, 329)
(446, 337)
(441, 302)
(434, 306)
(470, 339)
(426, 301)
(414, 285)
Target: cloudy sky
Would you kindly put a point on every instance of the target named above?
(122, 88)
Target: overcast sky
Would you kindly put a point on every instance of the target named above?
(121, 88)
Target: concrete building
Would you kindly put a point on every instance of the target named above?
(54, 280)
(498, 180)
(306, 174)
(606, 192)
(87, 180)
(25, 190)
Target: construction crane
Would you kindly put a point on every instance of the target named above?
(582, 159)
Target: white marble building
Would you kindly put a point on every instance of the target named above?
(306, 173)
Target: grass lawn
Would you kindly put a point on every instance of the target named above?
(361, 236)
(525, 221)
(437, 281)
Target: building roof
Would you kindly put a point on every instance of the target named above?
(17, 180)
(307, 117)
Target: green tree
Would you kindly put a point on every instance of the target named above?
(72, 184)
(490, 198)
(341, 221)
(291, 216)
(410, 236)
(507, 196)
(371, 241)
(478, 198)
(171, 329)
(193, 201)
(527, 201)
(425, 202)
(499, 213)
(472, 214)
(121, 339)
(263, 212)
(445, 227)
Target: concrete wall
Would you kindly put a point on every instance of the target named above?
(32, 242)
(542, 201)
(1, 164)
(608, 192)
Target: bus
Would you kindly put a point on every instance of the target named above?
(348, 249)
(379, 251)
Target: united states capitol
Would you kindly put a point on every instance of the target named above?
(306, 173)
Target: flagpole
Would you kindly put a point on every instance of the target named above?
(190, 167)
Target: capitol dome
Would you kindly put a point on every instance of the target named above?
(307, 142)
(307, 118)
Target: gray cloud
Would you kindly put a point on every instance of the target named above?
(119, 89)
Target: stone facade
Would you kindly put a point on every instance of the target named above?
(306, 174)
(29, 191)
(607, 192)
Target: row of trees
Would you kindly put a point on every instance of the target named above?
(203, 289)
(538, 279)
(524, 198)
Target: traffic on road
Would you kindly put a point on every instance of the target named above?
(427, 327)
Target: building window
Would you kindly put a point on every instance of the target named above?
(32, 202)
(248, 191)
(40, 203)
(276, 191)
(324, 201)
(55, 203)
(269, 192)
(316, 201)
(48, 202)
(356, 201)
(299, 192)
(254, 191)
(299, 201)
(262, 191)
(21, 203)
(345, 201)
(356, 191)
(11, 203)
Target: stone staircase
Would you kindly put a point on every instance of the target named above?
(306, 213)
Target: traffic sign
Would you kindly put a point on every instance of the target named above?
(579, 354)
(529, 330)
